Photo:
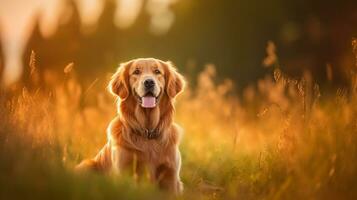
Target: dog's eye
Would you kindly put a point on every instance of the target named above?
(157, 71)
(137, 71)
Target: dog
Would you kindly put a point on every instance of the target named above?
(143, 134)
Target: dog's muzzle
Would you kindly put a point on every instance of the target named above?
(149, 100)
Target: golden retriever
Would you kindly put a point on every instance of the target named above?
(143, 134)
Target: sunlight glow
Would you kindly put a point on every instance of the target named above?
(90, 11)
(14, 35)
(50, 12)
(126, 13)
(161, 16)
(18, 19)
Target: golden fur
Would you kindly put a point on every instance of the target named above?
(127, 142)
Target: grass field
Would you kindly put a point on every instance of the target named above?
(278, 139)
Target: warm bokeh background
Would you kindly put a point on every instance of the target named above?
(270, 111)
(98, 34)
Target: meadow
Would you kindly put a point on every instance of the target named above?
(280, 138)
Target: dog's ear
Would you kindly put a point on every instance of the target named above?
(175, 81)
(118, 84)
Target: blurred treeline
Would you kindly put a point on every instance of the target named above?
(232, 34)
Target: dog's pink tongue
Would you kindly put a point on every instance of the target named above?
(148, 102)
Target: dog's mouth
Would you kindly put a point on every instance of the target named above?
(149, 100)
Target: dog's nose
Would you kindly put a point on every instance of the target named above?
(149, 83)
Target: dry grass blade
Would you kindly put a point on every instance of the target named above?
(354, 48)
(32, 63)
(204, 186)
(271, 57)
(68, 68)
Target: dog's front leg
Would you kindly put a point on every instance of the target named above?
(115, 157)
(124, 162)
(167, 179)
(168, 175)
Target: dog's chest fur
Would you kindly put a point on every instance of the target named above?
(148, 118)
(151, 150)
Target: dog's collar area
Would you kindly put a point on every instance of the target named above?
(149, 134)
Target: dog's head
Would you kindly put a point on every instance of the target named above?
(147, 80)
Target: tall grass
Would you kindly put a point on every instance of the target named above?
(280, 139)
